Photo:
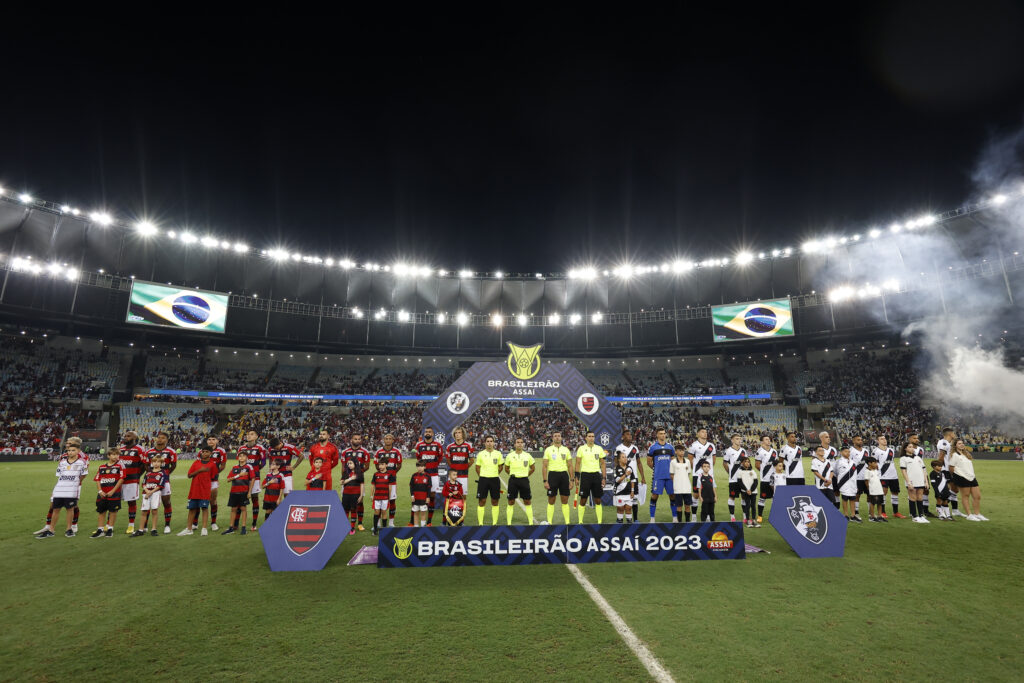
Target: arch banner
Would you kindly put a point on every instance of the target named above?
(523, 375)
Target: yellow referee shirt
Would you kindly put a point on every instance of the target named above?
(558, 458)
(489, 462)
(519, 464)
(590, 457)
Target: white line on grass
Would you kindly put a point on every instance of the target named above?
(643, 653)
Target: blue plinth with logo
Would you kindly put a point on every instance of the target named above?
(808, 522)
(304, 532)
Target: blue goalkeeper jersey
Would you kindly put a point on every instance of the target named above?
(662, 455)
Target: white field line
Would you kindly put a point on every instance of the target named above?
(643, 653)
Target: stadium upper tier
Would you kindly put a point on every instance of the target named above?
(65, 267)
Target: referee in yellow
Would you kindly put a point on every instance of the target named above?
(488, 467)
(591, 466)
(520, 465)
(556, 468)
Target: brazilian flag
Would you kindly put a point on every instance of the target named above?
(753, 320)
(190, 309)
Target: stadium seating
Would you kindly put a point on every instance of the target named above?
(185, 423)
(39, 425)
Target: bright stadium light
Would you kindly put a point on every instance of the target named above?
(2, 191)
(278, 254)
(723, 262)
(346, 264)
(574, 318)
(71, 273)
(379, 315)
(810, 247)
(240, 247)
(465, 273)
(440, 318)
(597, 318)
(892, 285)
(895, 227)
(64, 208)
(403, 316)
(145, 228)
(584, 273)
(554, 319)
(522, 320)
(840, 294)
(328, 262)
(875, 233)
(497, 320)
(927, 220)
(681, 266)
(788, 251)
(856, 238)
(100, 218)
(401, 269)
(357, 313)
(499, 274)
(539, 276)
(776, 252)
(189, 238)
(296, 256)
(25, 198)
(208, 242)
(624, 272)
(224, 244)
(442, 272)
(998, 199)
(462, 319)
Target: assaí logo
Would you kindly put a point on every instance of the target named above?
(523, 361)
(719, 541)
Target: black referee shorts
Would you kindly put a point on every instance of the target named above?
(519, 487)
(590, 485)
(558, 484)
(488, 487)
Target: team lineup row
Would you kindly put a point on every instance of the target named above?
(685, 476)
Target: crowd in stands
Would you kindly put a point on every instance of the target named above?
(34, 369)
(40, 425)
(186, 425)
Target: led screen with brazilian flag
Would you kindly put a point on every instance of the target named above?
(189, 309)
(753, 320)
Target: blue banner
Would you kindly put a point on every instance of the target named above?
(199, 393)
(305, 530)
(558, 544)
(808, 521)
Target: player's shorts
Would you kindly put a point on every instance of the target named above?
(683, 499)
(829, 493)
(519, 487)
(846, 497)
(107, 504)
(488, 487)
(288, 484)
(558, 484)
(151, 501)
(891, 485)
(862, 487)
(238, 500)
(197, 504)
(130, 491)
(590, 485)
(381, 504)
(349, 501)
(166, 490)
(269, 506)
(876, 500)
(767, 491)
(214, 485)
(622, 501)
(735, 489)
(435, 483)
(67, 503)
(464, 481)
(256, 488)
(795, 481)
(419, 508)
(394, 492)
(659, 486)
(961, 482)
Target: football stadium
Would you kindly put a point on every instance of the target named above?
(309, 453)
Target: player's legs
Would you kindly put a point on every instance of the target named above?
(734, 490)
(166, 500)
(693, 506)
(255, 498)
(214, 488)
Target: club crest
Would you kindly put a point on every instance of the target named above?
(808, 519)
(305, 527)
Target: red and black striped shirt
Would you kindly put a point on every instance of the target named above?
(419, 487)
(244, 476)
(382, 482)
(108, 476)
(430, 454)
(134, 461)
(459, 455)
(273, 485)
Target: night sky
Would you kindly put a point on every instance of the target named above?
(521, 143)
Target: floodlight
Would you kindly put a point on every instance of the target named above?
(597, 318)
(145, 228)
(554, 319)
(522, 320)
(497, 320)
(462, 319)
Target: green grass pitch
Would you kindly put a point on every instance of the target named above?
(908, 602)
